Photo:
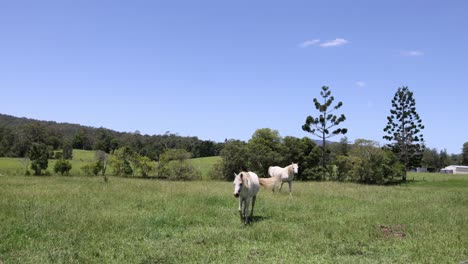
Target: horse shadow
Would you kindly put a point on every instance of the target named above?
(258, 218)
(255, 219)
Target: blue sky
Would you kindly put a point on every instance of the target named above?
(222, 69)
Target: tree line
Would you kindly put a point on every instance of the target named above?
(363, 161)
(17, 136)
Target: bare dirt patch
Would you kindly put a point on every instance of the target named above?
(393, 230)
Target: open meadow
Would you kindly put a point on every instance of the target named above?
(53, 219)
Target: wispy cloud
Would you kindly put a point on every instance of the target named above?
(360, 84)
(316, 42)
(334, 43)
(309, 43)
(412, 53)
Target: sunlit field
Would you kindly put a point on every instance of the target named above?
(53, 219)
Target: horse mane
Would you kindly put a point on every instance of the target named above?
(290, 169)
(246, 177)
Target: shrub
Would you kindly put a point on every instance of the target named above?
(62, 166)
(180, 170)
(173, 165)
(68, 151)
(92, 169)
(58, 155)
(369, 164)
(216, 172)
(38, 154)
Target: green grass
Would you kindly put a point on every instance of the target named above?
(18, 166)
(82, 220)
(438, 179)
(204, 165)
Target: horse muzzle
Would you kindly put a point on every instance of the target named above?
(236, 195)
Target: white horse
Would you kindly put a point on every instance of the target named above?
(285, 174)
(246, 186)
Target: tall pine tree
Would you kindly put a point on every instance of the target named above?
(321, 126)
(404, 129)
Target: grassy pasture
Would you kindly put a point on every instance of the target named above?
(18, 166)
(83, 220)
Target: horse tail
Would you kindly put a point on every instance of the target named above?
(268, 183)
(270, 172)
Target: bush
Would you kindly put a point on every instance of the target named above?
(38, 155)
(369, 164)
(216, 172)
(92, 169)
(313, 174)
(173, 165)
(348, 168)
(62, 166)
(126, 168)
(68, 151)
(180, 170)
(58, 155)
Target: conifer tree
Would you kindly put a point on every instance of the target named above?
(322, 125)
(404, 129)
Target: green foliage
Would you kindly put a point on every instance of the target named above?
(67, 151)
(305, 152)
(234, 158)
(54, 141)
(17, 134)
(58, 155)
(348, 168)
(216, 171)
(173, 165)
(93, 168)
(81, 140)
(465, 154)
(7, 139)
(264, 150)
(205, 165)
(119, 160)
(145, 165)
(38, 154)
(368, 163)
(105, 141)
(323, 125)
(126, 169)
(433, 160)
(404, 129)
(63, 167)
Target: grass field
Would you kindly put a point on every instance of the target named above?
(83, 220)
(18, 166)
(204, 165)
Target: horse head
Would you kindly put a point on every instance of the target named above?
(295, 167)
(238, 181)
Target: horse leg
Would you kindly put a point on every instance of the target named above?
(281, 187)
(241, 201)
(290, 186)
(253, 205)
(246, 210)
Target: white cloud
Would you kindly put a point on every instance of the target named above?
(309, 43)
(316, 42)
(360, 83)
(412, 53)
(334, 43)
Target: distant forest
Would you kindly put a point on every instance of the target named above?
(17, 135)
